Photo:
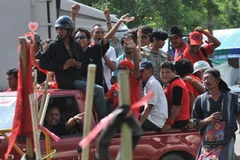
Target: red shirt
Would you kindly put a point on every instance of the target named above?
(134, 93)
(184, 112)
(112, 94)
(199, 56)
(179, 51)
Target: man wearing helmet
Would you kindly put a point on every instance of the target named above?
(64, 56)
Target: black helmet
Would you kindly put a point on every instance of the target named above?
(64, 22)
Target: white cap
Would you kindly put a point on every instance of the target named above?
(200, 65)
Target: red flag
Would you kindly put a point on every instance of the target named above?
(22, 122)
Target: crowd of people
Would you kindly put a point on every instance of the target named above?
(188, 92)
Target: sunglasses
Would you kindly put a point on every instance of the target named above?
(80, 37)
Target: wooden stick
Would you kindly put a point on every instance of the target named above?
(35, 90)
(35, 127)
(126, 131)
(88, 106)
(29, 148)
(14, 145)
(44, 95)
(42, 117)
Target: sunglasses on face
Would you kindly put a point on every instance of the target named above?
(80, 37)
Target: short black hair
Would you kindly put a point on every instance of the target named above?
(184, 67)
(147, 30)
(159, 34)
(129, 35)
(167, 64)
(98, 25)
(80, 29)
(13, 71)
(133, 31)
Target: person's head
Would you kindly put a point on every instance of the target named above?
(158, 38)
(45, 44)
(125, 47)
(175, 36)
(146, 70)
(37, 39)
(133, 31)
(64, 26)
(167, 71)
(83, 36)
(97, 32)
(53, 116)
(195, 41)
(212, 80)
(184, 67)
(199, 67)
(12, 78)
(126, 65)
(146, 33)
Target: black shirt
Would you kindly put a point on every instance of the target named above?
(93, 55)
(55, 57)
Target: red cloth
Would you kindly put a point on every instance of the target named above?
(22, 122)
(134, 93)
(112, 94)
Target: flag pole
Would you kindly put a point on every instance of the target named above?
(126, 131)
(88, 106)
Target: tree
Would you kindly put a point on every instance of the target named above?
(188, 14)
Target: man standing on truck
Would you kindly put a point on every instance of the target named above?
(214, 113)
(64, 56)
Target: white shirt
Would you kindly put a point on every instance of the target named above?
(106, 71)
(159, 112)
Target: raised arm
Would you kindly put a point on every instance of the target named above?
(75, 10)
(124, 18)
(109, 24)
(216, 43)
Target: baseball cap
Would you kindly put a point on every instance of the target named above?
(145, 65)
(200, 65)
(175, 31)
(127, 63)
(195, 38)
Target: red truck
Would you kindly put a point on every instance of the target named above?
(172, 145)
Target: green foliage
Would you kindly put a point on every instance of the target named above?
(188, 14)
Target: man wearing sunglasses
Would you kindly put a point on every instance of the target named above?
(64, 56)
(93, 54)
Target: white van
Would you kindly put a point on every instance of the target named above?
(16, 14)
